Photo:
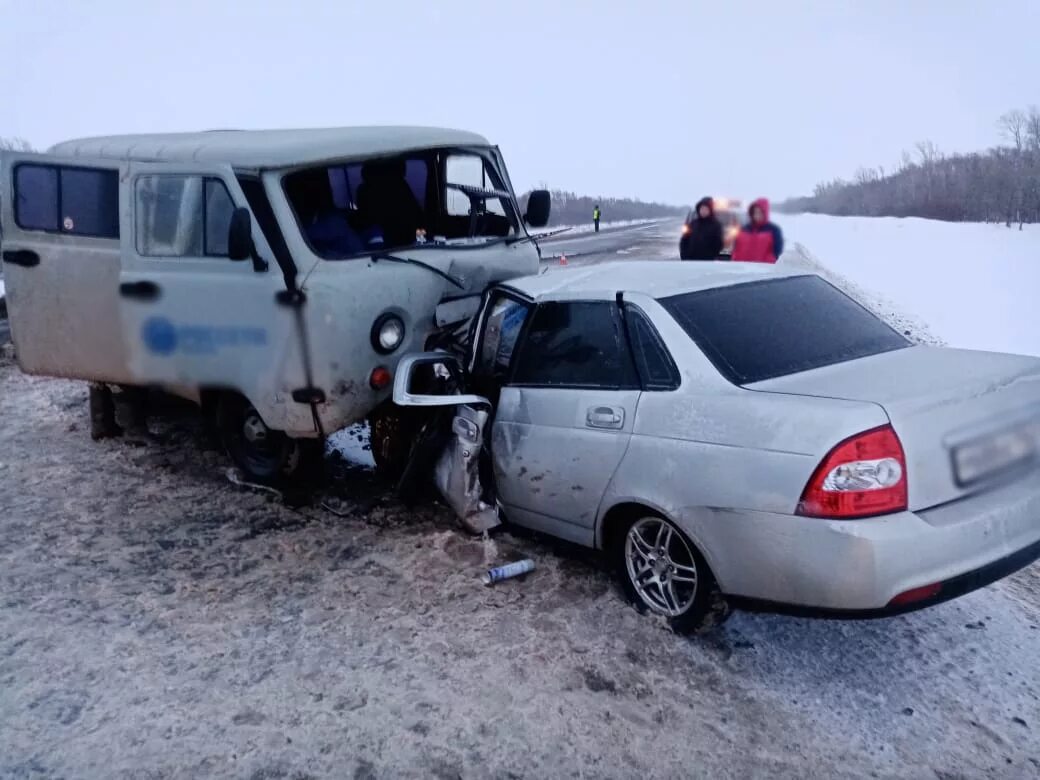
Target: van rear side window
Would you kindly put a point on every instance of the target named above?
(64, 199)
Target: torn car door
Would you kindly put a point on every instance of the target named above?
(451, 444)
(457, 473)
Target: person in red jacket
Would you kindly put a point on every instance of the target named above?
(759, 241)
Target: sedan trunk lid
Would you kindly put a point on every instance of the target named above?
(966, 419)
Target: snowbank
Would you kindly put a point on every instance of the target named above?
(909, 325)
(353, 446)
(975, 285)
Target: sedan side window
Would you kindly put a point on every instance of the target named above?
(579, 344)
(656, 367)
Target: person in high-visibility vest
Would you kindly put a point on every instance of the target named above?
(595, 217)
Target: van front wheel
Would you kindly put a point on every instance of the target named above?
(265, 456)
(392, 431)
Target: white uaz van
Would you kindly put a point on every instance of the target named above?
(274, 277)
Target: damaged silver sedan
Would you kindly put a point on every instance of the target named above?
(732, 435)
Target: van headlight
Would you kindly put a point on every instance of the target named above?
(387, 333)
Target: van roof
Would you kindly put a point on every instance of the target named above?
(655, 278)
(268, 148)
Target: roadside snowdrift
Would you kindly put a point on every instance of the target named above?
(976, 286)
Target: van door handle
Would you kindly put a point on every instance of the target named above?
(612, 417)
(23, 257)
(140, 291)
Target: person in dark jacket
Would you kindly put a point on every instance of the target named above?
(702, 235)
(759, 241)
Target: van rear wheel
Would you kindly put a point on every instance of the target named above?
(265, 456)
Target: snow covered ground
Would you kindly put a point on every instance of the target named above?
(156, 620)
(976, 286)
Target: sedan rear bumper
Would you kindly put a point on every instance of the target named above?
(848, 566)
(950, 589)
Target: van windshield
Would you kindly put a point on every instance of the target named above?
(430, 198)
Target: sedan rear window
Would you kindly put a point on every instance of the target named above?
(762, 330)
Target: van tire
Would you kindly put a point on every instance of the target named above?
(392, 432)
(265, 456)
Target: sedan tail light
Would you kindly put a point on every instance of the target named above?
(863, 476)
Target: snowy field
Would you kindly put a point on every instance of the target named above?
(158, 621)
(976, 286)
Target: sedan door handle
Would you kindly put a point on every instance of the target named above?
(140, 291)
(612, 417)
(23, 257)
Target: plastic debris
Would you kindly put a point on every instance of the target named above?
(515, 569)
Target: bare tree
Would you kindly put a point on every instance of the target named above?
(1032, 128)
(15, 144)
(1012, 127)
(928, 152)
(998, 185)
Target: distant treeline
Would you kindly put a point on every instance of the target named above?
(999, 185)
(571, 209)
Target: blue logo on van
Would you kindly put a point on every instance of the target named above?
(162, 337)
(159, 336)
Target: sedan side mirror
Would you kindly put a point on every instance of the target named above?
(539, 203)
(240, 235)
(442, 364)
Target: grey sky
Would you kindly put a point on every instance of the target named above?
(661, 100)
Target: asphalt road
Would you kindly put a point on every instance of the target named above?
(656, 240)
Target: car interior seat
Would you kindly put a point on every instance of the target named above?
(385, 199)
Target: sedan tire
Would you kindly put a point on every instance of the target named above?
(663, 572)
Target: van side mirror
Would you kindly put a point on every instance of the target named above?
(240, 235)
(539, 203)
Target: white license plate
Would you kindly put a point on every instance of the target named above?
(992, 455)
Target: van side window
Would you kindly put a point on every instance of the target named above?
(218, 209)
(469, 170)
(181, 216)
(65, 199)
